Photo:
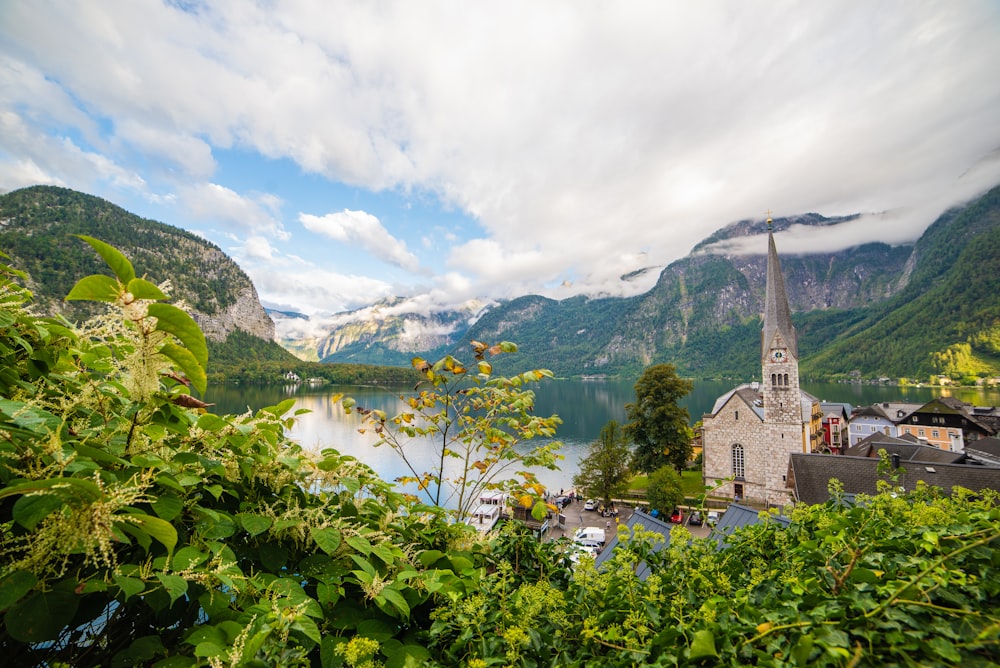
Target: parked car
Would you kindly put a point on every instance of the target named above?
(592, 545)
(590, 505)
(694, 519)
(676, 516)
(562, 501)
(595, 534)
(712, 518)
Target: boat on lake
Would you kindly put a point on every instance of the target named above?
(485, 517)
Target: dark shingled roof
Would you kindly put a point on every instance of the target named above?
(907, 450)
(810, 475)
(738, 516)
(984, 450)
(647, 522)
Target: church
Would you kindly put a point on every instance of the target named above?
(754, 429)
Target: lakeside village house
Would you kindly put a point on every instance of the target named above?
(771, 443)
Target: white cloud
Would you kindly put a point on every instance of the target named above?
(213, 202)
(316, 291)
(585, 140)
(364, 230)
(257, 248)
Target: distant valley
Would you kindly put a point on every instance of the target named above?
(867, 311)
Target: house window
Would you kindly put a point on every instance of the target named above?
(935, 434)
(871, 428)
(921, 432)
(739, 463)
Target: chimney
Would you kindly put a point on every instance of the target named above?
(895, 461)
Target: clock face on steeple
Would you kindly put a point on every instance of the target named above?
(778, 355)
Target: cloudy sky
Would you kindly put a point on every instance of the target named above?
(343, 152)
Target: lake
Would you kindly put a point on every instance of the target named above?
(584, 406)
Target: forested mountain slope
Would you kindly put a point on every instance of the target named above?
(875, 309)
(947, 318)
(36, 228)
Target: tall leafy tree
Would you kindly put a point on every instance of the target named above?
(658, 425)
(604, 472)
(665, 490)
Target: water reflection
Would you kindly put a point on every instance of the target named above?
(584, 406)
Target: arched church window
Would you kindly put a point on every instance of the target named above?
(737, 415)
(739, 463)
(785, 382)
(774, 380)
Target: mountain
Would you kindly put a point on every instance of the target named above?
(871, 310)
(946, 319)
(36, 228)
(390, 333)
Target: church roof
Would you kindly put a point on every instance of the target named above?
(748, 392)
(777, 314)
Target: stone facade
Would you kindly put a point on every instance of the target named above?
(752, 430)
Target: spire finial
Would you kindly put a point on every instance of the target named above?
(769, 226)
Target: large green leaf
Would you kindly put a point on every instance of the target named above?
(70, 489)
(328, 539)
(161, 530)
(114, 257)
(175, 321)
(41, 616)
(31, 509)
(175, 585)
(143, 289)
(95, 288)
(187, 363)
(14, 585)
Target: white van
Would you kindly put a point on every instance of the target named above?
(593, 534)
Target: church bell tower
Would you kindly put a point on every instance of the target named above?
(780, 375)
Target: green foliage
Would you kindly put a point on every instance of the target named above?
(604, 472)
(137, 530)
(897, 580)
(665, 490)
(475, 422)
(658, 425)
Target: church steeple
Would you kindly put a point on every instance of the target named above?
(777, 315)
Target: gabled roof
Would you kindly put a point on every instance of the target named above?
(894, 411)
(647, 522)
(953, 406)
(907, 447)
(748, 393)
(738, 516)
(810, 475)
(988, 447)
(836, 408)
